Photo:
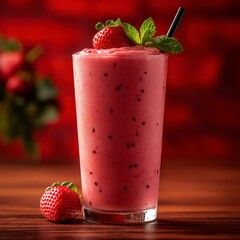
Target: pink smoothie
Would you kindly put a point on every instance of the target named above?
(120, 96)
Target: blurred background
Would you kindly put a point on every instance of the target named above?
(202, 114)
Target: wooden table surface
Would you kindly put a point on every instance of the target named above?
(197, 200)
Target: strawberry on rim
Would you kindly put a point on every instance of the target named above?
(111, 35)
(116, 34)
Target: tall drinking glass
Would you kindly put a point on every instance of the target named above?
(120, 95)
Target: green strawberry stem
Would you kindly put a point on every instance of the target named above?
(99, 26)
(65, 184)
(70, 185)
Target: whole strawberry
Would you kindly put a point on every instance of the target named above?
(110, 36)
(61, 202)
(18, 86)
(10, 62)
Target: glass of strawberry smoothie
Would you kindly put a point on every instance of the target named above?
(120, 95)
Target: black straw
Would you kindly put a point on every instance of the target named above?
(175, 22)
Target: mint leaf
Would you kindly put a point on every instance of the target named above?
(166, 44)
(131, 32)
(147, 30)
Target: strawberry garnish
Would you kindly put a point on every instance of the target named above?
(115, 34)
(61, 202)
(111, 36)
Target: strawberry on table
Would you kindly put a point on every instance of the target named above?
(61, 202)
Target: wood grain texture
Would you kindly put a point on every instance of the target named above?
(197, 200)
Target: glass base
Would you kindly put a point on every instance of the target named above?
(125, 217)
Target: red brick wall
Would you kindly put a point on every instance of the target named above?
(202, 106)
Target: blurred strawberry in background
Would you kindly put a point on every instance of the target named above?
(9, 63)
(28, 101)
(17, 85)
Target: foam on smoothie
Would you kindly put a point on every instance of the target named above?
(136, 50)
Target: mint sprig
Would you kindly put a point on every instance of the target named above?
(131, 32)
(147, 30)
(145, 36)
(165, 44)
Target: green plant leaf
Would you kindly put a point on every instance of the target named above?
(110, 23)
(33, 54)
(15, 124)
(55, 184)
(45, 90)
(12, 121)
(99, 26)
(48, 114)
(166, 44)
(9, 44)
(66, 183)
(118, 22)
(73, 187)
(131, 32)
(30, 144)
(4, 122)
(70, 185)
(147, 30)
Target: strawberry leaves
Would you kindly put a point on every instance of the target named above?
(145, 36)
(70, 185)
(109, 23)
(99, 26)
(65, 184)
